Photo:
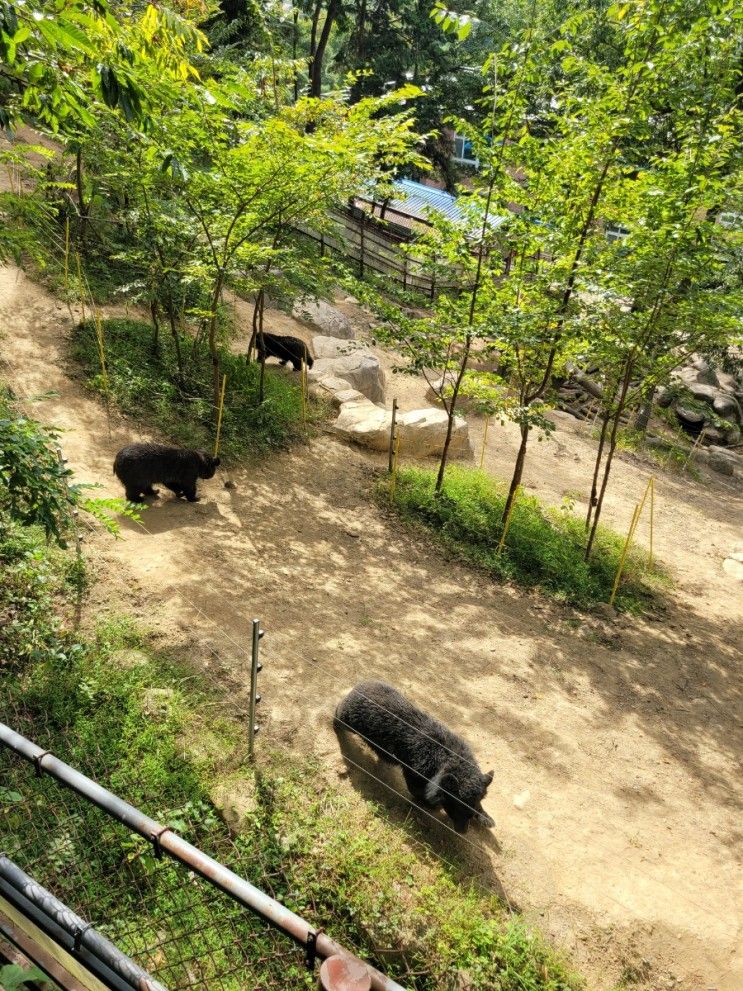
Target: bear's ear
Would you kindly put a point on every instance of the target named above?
(217, 462)
(487, 780)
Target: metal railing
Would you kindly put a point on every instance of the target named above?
(165, 841)
(96, 953)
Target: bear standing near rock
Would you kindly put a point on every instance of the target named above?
(439, 767)
(140, 466)
(285, 349)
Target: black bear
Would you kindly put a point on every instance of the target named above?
(439, 767)
(139, 466)
(285, 349)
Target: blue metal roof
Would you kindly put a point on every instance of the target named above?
(419, 199)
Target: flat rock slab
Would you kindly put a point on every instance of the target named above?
(422, 432)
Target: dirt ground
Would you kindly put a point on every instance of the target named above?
(616, 744)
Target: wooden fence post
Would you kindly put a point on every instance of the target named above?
(361, 245)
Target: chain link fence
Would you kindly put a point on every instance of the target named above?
(177, 926)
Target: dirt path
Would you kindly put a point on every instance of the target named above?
(616, 746)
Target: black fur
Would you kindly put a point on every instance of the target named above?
(139, 466)
(285, 349)
(439, 767)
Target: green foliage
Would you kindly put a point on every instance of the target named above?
(36, 578)
(142, 381)
(543, 549)
(60, 59)
(13, 977)
(36, 487)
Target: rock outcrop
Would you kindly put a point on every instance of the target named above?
(422, 431)
(341, 365)
(324, 317)
(716, 396)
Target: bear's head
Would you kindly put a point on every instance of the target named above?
(459, 789)
(208, 465)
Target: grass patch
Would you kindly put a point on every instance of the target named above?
(543, 549)
(137, 721)
(142, 382)
(670, 453)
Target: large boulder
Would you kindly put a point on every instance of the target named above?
(722, 461)
(422, 431)
(356, 366)
(720, 396)
(323, 317)
(362, 422)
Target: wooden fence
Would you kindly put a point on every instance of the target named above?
(374, 247)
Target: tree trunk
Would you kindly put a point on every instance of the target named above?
(360, 55)
(213, 353)
(645, 411)
(170, 309)
(319, 53)
(295, 41)
(610, 456)
(596, 468)
(451, 413)
(155, 326)
(262, 379)
(518, 471)
(257, 316)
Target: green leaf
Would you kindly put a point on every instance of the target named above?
(65, 35)
(10, 796)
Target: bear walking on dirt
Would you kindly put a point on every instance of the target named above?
(439, 767)
(285, 349)
(139, 466)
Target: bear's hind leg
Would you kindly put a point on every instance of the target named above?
(189, 491)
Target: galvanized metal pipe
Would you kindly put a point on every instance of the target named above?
(82, 936)
(169, 842)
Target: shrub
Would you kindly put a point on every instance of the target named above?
(543, 549)
(141, 379)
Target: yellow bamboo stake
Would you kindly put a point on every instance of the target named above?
(67, 253)
(101, 346)
(628, 541)
(81, 283)
(393, 480)
(652, 519)
(304, 392)
(219, 415)
(484, 441)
